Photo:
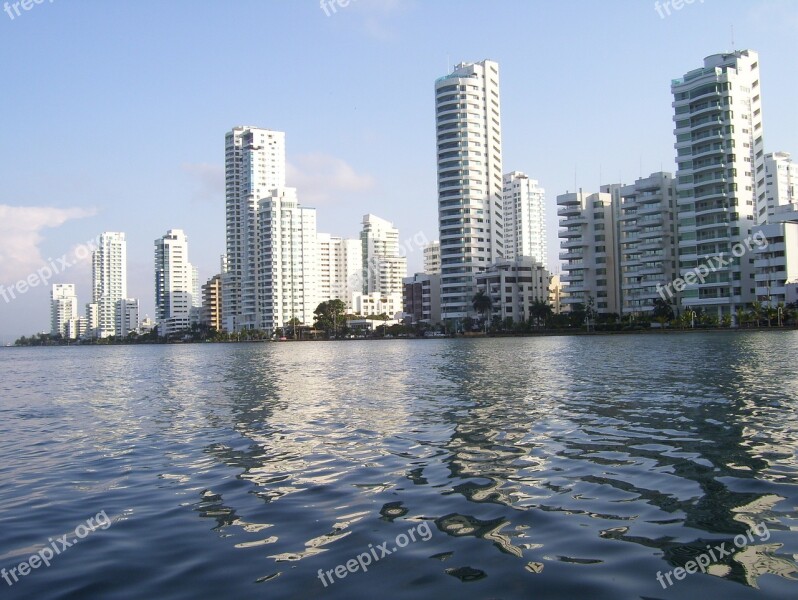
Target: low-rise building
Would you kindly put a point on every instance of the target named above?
(422, 298)
(513, 286)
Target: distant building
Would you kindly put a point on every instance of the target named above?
(513, 286)
(781, 182)
(377, 304)
(556, 294)
(720, 178)
(63, 308)
(174, 283)
(211, 314)
(340, 268)
(109, 280)
(254, 166)
(383, 268)
(648, 242)
(287, 275)
(432, 258)
(127, 316)
(776, 264)
(421, 299)
(470, 205)
(524, 218)
(589, 252)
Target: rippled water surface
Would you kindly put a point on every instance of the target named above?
(569, 467)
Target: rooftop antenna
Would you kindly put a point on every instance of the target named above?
(732, 32)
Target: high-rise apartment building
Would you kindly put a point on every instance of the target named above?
(211, 314)
(781, 182)
(254, 166)
(470, 206)
(524, 218)
(383, 268)
(175, 284)
(63, 308)
(109, 280)
(648, 241)
(288, 267)
(340, 268)
(589, 251)
(720, 176)
(127, 316)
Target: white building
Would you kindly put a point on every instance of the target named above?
(589, 251)
(513, 286)
(781, 182)
(287, 277)
(470, 207)
(175, 283)
(254, 166)
(720, 176)
(648, 241)
(383, 268)
(776, 264)
(375, 304)
(127, 316)
(109, 280)
(432, 258)
(524, 218)
(63, 308)
(340, 268)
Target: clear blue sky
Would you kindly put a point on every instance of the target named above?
(114, 113)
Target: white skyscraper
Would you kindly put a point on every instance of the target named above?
(288, 280)
(781, 182)
(524, 218)
(340, 266)
(63, 308)
(383, 268)
(720, 176)
(109, 280)
(174, 283)
(254, 166)
(469, 152)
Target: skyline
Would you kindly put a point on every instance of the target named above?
(101, 173)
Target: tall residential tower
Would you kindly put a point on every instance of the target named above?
(469, 155)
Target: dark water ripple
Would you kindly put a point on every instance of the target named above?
(544, 468)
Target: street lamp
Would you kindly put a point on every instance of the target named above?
(780, 314)
(692, 319)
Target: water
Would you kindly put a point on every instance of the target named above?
(526, 468)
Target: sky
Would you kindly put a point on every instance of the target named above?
(113, 114)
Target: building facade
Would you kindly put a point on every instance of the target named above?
(421, 299)
(127, 316)
(648, 242)
(720, 176)
(63, 308)
(109, 280)
(589, 252)
(211, 313)
(513, 286)
(340, 268)
(432, 258)
(469, 155)
(175, 283)
(524, 218)
(781, 182)
(254, 166)
(383, 268)
(287, 275)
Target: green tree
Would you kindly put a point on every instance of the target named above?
(330, 316)
(540, 312)
(482, 304)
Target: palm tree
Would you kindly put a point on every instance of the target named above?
(756, 311)
(482, 303)
(540, 311)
